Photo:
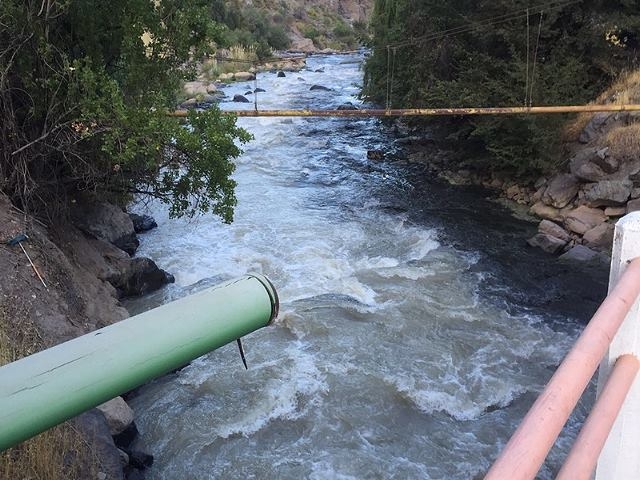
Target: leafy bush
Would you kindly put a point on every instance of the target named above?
(83, 100)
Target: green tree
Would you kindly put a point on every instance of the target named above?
(83, 101)
(476, 53)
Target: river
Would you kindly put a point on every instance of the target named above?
(415, 330)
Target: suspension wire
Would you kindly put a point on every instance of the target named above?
(526, 84)
(393, 69)
(255, 89)
(516, 14)
(388, 104)
(535, 57)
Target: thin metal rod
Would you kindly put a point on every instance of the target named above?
(416, 112)
(529, 445)
(583, 457)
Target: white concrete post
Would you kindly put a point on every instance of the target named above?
(620, 457)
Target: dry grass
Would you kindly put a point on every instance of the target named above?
(626, 90)
(60, 453)
(624, 142)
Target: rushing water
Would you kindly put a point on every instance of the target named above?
(399, 352)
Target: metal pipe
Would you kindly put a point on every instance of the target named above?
(45, 389)
(414, 112)
(529, 445)
(582, 459)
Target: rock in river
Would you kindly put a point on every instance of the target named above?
(240, 99)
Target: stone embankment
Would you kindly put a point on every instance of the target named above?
(577, 207)
(71, 284)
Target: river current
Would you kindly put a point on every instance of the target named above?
(404, 349)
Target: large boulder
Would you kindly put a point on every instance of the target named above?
(633, 205)
(561, 190)
(142, 223)
(583, 219)
(118, 414)
(541, 210)
(196, 88)
(580, 253)
(240, 99)
(321, 88)
(140, 276)
(553, 229)
(93, 427)
(108, 223)
(607, 193)
(600, 237)
(595, 127)
(547, 243)
(244, 76)
(585, 165)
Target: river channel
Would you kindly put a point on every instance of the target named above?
(416, 327)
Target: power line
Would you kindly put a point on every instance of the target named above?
(470, 27)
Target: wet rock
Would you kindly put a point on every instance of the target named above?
(125, 438)
(319, 70)
(320, 88)
(347, 106)
(117, 414)
(281, 74)
(607, 193)
(583, 219)
(600, 237)
(562, 189)
(140, 460)
(580, 253)
(547, 243)
(240, 99)
(553, 229)
(248, 92)
(124, 458)
(375, 155)
(259, 90)
(142, 223)
(108, 223)
(139, 277)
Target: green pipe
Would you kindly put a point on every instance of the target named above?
(49, 387)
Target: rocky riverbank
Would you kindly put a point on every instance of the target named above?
(578, 206)
(68, 281)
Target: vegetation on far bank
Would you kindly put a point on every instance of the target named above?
(498, 53)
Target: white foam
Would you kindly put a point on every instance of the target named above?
(281, 398)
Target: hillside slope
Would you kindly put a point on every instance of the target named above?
(310, 25)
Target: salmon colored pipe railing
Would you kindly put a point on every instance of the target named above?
(583, 457)
(527, 449)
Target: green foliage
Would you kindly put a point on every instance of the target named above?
(83, 102)
(250, 27)
(581, 48)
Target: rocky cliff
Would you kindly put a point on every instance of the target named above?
(316, 25)
(58, 283)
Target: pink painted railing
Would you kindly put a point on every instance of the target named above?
(613, 334)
